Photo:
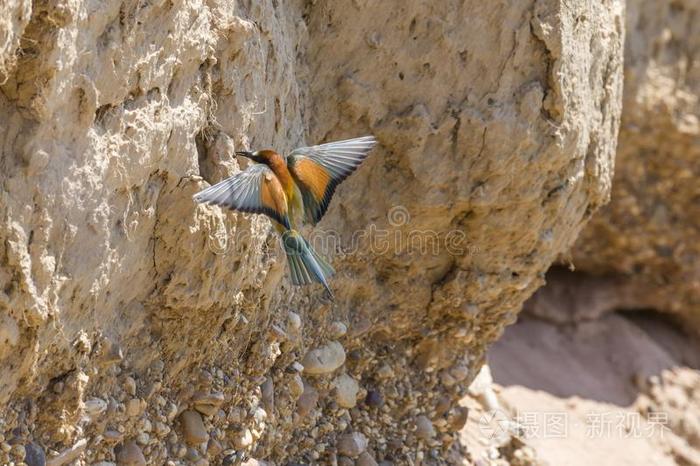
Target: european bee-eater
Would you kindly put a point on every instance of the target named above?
(289, 189)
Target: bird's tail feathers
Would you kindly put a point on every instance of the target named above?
(305, 264)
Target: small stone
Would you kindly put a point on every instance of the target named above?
(205, 377)
(385, 372)
(307, 401)
(352, 444)
(69, 454)
(214, 448)
(459, 372)
(162, 429)
(293, 321)
(208, 403)
(130, 454)
(296, 386)
(133, 407)
(324, 359)
(338, 329)
(130, 385)
(259, 415)
(18, 451)
(145, 425)
(458, 418)
(34, 455)
(113, 435)
(192, 455)
(143, 438)
(243, 440)
(193, 428)
(267, 390)
(447, 379)
(346, 389)
(94, 407)
(424, 428)
(374, 399)
(365, 459)
(345, 461)
(296, 367)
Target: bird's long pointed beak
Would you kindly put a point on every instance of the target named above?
(245, 153)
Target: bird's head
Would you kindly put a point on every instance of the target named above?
(254, 156)
(267, 156)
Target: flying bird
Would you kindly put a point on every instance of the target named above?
(291, 190)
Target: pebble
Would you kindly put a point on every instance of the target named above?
(162, 429)
(193, 428)
(113, 435)
(374, 399)
(130, 454)
(294, 321)
(385, 372)
(365, 459)
(424, 428)
(130, 385)
(338, 329)
(447, 379)
(192, 455)
(267, 390)
(214, 448)
(345, 461)
(244, 439)
(18, 451)
(296, 367)
(346, 389)
(68, 455)
(307, 401)
(296, 386)
(95, 407)
(143, 438)
(133, 407)
(352, 444)
(324, 359)
(208, 403)
(458, 418)
(34, 455)
(459, 372)
(443, 405)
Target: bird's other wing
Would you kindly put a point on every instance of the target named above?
(318, 170)
(255, 190)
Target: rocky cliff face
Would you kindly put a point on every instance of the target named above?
(647, 238)
(137, 327)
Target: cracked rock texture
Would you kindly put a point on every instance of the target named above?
(138, 327)
(648, 237)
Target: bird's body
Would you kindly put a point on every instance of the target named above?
(289, 190)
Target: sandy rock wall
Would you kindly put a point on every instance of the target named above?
(444, 232)
(648, 236)
(137, 327)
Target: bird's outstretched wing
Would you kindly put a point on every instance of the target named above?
(318, 170)
(255, 190)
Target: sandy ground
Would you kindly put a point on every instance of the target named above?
(618, 390)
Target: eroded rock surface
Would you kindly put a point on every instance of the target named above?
(136, 323)
(648, 237)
